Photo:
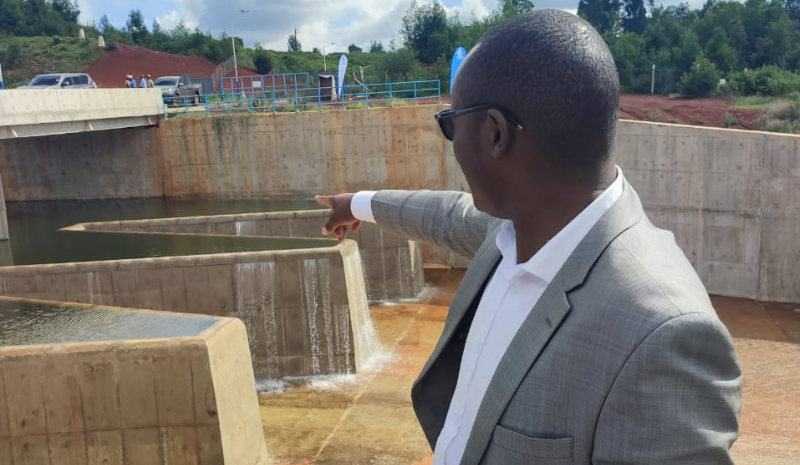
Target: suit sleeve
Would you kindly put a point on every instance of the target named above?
(444, 218)
(677, 399)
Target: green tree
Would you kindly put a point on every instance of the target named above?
(136, 27)
(632, 62)
(720, 52)
(104, 25)
(12, 17)
(11, 53)
(294, 44)
(602, 14)
(67, 9)
(634, 18)
(375, 47)
(701, 80)
(778, 43)
(262, 61)
(512, 8)
(425, 30)
(353, 48)
(793, 8)
(397, 66)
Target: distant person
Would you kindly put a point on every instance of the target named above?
(133, 81)
(150, 83)
(142, 81)
(128, 81)
(580, 333)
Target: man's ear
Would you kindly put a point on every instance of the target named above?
(500, 132)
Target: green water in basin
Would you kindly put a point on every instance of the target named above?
(35, 237)
(28, 323)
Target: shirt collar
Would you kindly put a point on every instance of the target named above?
(546, 263)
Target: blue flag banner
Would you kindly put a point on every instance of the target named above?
(458, 57)
(342, 70)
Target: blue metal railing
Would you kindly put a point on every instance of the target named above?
(265, 82)
(309, 98)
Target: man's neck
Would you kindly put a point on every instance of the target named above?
(535, 223)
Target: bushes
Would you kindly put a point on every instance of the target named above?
(701, 80)
(11, 55)
(782, 115)
(768, 80)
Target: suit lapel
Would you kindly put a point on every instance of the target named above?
(532, 337)
(478, 272)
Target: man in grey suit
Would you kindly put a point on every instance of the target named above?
(580, 333)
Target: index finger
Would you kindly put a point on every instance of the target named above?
(324, 200)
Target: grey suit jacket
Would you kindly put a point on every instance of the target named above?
(621, 361)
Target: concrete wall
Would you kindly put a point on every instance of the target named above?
(729, 196)
(296, 154)
(732, 199)
(110, 164)
(44, 112)
(392, 265)
(282, 155)
(300, 307)
(188, 400)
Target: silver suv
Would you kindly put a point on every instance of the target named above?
(63, 80)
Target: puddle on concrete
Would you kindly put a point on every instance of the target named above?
(28, 323)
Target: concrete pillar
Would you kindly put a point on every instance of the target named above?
(3, 214)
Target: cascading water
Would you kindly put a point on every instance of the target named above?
(327, 311)
(404, 272)
(93, 284)
(383, 265)
(246, 228)
(255, 306)
(309, 280)
(366, 344)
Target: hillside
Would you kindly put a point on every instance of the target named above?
(25, 57)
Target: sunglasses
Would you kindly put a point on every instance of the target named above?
(445, 118)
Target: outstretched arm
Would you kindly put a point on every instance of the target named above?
(444, 218)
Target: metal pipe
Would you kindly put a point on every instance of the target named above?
(653, 81)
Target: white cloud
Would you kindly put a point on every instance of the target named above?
(186, 11)
(270, 22)
(87, 12)
(469, 9)
(343, 22)
(173, 18)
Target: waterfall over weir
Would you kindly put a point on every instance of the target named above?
(255, 306)
(307, 315)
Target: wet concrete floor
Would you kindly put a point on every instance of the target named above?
(369, 419)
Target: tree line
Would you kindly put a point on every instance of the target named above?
(754, 45)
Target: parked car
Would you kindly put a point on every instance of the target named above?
(173, 88)
(61, 80)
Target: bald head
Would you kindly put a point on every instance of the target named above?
(553, 72)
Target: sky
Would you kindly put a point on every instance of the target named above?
(319, 22)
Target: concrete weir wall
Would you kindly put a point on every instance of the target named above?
(306, 311)
(188, 399)
(392, 265)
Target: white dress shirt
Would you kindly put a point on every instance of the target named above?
(509, 297)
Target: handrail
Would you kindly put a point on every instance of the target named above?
(295, 99)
